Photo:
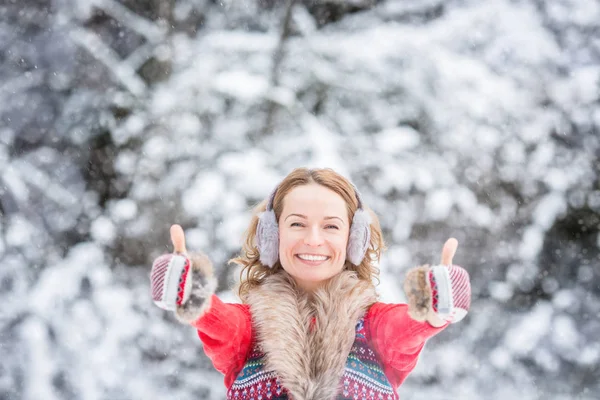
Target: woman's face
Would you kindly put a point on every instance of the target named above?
(313, 234)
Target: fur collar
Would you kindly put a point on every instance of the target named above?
(309, 362)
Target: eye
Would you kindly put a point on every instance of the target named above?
(296, 224)
(331, 227)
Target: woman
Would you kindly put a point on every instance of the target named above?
(310, 325)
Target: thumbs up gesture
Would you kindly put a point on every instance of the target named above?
(441, 293)
(180, 282)
(169, 276)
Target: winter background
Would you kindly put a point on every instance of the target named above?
(479, 120)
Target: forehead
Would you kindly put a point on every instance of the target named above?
(316, 200)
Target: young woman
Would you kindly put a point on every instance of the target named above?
(310, 326)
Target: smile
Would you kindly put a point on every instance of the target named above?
(312, 257)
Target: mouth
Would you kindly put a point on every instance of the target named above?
(312, 259)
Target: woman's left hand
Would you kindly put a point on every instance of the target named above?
(439, 294)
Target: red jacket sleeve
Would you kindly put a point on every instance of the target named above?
(397, 339)
(225, 330)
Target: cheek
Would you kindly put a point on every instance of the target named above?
(340, 242)
(286, 241)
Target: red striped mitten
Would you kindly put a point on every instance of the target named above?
(450, 292)
(438, 294)
(169, 281)
(183, 284)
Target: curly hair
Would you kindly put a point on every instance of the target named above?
(254, 272)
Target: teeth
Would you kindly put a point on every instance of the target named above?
(310, 257)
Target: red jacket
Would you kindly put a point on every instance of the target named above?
(226, 332)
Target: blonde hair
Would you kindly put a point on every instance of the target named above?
(254, 272)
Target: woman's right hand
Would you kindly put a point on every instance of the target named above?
(170, 279)
(183, 282)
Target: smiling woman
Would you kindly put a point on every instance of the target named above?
(311, 212)
(310, 326)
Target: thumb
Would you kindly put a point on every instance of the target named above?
(448, 251)
(178, 239)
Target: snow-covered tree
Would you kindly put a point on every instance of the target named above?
(478, 120)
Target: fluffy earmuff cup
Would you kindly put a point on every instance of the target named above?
(360, 236)
(267, 238)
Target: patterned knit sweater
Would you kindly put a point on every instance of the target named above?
(386, 348)
(363, 376)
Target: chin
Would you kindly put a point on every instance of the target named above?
(317, 275)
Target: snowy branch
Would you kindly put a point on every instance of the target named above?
(152, 32)
(21, 83)
(124, 73)
(139, 56)
(39, 179)
(277, 60)
(324, 143)
(279, 52)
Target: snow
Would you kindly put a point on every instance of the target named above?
(593, 200)
(453, 118)
(156, 147)
(585, 273)
(124, 210)
(230, 232)
(526, 334)
(189, 124)
(126, 163)
(564, 333)
(557, 180)
(393, 177)
(241, 85)
(204, 193)
(133, 126)
(547, 360)
(590, 355)
(248, 171)
(532, 242)
(565, 300)
(197, 238)
(500, 291)
(19, 232)
(501, 358)
(41, 370)
(103, 230)
(439, 204)
(549, 208)
(14, 184)
(397, 140)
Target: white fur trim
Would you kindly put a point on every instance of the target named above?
(171, 283)
(445, 305)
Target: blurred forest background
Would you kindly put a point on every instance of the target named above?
(479, 120)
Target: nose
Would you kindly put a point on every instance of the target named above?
(313, 237)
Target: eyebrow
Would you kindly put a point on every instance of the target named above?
(305, 217)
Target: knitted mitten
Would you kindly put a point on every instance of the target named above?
(438, 294)
(183, 284)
